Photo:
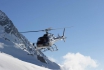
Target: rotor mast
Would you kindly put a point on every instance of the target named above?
(48, 29)
(46, 32)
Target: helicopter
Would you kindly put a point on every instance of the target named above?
(47, 41)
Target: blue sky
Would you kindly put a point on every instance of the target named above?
(87, 17)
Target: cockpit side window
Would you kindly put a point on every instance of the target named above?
(38, 39)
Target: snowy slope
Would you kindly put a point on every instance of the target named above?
(16, 45)
(7, 62)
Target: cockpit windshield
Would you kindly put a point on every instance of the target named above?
(42, 40)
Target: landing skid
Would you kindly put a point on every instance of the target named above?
(50, 48)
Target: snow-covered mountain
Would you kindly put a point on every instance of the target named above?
(16, 45)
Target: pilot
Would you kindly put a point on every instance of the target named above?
(45, 40)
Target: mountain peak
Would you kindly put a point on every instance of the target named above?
(18, 46)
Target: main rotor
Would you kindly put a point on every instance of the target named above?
(45, 30)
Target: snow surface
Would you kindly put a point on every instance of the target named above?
(8, 62)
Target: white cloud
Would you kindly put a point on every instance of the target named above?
(1, 45)
(77, 62)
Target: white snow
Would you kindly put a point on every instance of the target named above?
(8, 62)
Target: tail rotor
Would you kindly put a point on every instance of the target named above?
(64, 32)
(64, 35)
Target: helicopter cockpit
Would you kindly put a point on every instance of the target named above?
(43, 41)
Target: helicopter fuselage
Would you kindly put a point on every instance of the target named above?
(45, 41)
(48, 41)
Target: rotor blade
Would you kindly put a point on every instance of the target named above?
(64, 40)
(62, 28)
(32, 31)
(64, 32)
(48, 29)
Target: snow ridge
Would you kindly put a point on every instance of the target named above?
(16, 64)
